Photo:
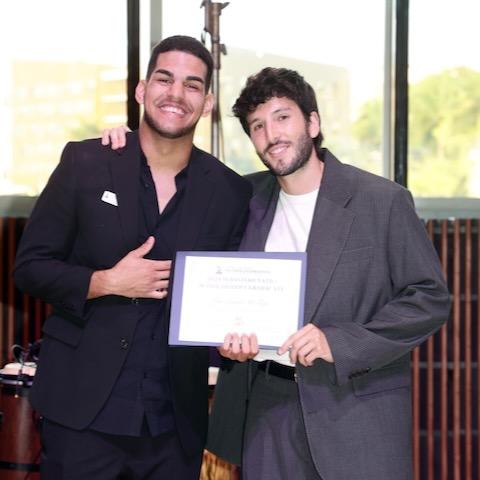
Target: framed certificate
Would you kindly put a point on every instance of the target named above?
(215, 293)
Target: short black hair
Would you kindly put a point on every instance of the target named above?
(276, 82)
(182, 43)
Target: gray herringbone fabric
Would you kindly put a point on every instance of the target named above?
(276, 445)
(376, 289)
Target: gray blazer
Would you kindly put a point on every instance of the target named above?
(376, 289)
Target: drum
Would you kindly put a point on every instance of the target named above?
(19, 436)
(214, 468)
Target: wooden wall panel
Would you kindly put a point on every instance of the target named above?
(445, 396)
(445, 373)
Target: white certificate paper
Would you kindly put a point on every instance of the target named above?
(215, 293)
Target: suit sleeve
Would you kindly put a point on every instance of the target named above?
(418, 306)
(239, 228)
(43, 266)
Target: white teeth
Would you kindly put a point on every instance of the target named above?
(172, 109)
(278, 149)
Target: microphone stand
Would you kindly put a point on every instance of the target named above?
(213, 10)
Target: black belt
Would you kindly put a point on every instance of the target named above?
(278, 370)
(119, 300)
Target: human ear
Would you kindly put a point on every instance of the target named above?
(140, 92)
(208, 105)
(314, 125)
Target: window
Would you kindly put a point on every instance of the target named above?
(444, 78)
(64, 78)
(63, 65)
(337, 46)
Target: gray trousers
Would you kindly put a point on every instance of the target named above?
(275, 442)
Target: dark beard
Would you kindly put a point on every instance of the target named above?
(302, 155)
(167, 134)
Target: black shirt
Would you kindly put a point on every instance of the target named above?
(141, 395)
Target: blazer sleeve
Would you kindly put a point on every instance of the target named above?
(43, 266)
(419, 302)
(239, 228)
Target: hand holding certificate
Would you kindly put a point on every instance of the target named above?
(215, 293)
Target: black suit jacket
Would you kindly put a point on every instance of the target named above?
(71, 233)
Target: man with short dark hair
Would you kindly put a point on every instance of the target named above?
(333, 403)
(117, 402)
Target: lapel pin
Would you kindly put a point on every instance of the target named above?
(110, 197)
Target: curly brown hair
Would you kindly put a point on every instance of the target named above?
(276, 82)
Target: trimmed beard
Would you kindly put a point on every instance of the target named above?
(303, 152)
(155, 126)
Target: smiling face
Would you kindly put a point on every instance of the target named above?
(174, 95)
(281, 135)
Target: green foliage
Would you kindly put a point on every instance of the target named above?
(368, 127)
(444, 131)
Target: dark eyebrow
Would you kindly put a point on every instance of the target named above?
(195, 79)
(164, 72)
(278, 110)
(282, 109)
(190, 78)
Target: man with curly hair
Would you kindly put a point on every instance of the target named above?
(333, 402)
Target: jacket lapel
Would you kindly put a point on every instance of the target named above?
(198, 194)
(124, 167)
(262, 211)
(330, 228)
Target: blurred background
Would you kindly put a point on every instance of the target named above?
(64, 67)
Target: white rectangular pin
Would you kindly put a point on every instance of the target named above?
(110, 197)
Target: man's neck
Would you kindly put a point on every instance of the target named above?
(305, 179)
(165, 154)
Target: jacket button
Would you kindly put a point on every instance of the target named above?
(124, 343)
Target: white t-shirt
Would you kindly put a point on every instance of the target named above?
(289, 233)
